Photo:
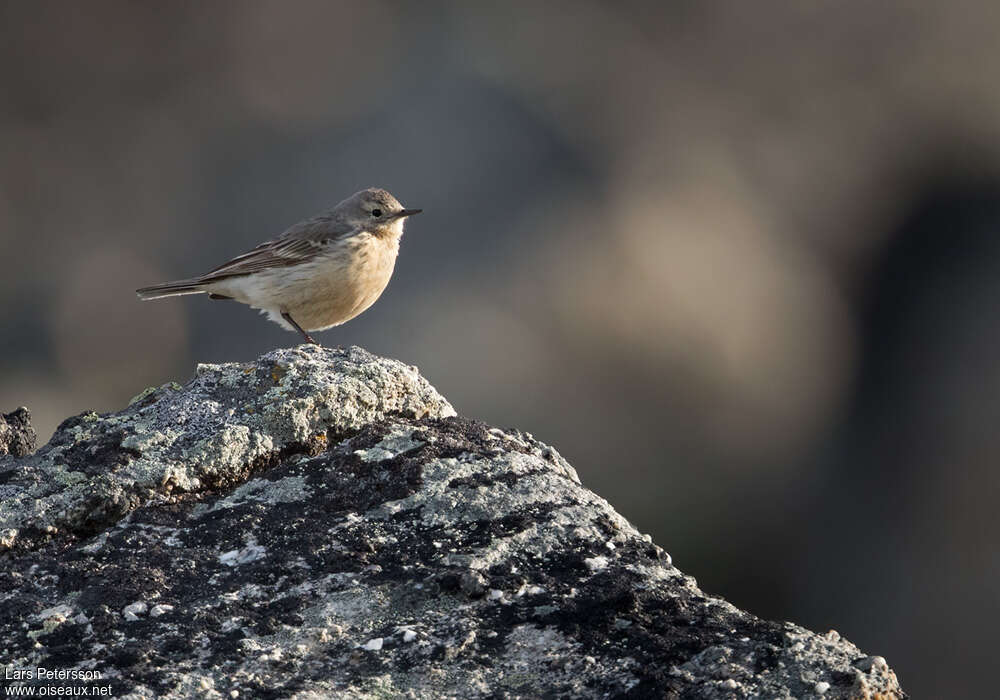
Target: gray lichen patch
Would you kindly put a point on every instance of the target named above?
(286, 490)
(393, 445)
(226, 423)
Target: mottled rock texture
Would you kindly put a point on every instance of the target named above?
(320, 524)
(17, 437)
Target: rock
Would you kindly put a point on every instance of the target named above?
(229, 422)
(17, 437)
(473, 584)
(319, 523)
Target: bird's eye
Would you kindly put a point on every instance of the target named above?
(376, 213)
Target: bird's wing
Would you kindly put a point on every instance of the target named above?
(299, 244)
(281, 252)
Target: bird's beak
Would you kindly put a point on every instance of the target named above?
(407, 212)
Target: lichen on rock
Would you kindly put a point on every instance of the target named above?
(17, 437)
(319, 523)
(228, 422)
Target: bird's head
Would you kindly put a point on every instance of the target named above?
(374, 210)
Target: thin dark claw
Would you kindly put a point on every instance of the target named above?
(309, 339)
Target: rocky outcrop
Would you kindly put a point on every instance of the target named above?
(17, 437)
(320, 524)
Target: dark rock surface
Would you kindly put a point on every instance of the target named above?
(17, 437)
(320, 524)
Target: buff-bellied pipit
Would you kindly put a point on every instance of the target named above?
(319, 273)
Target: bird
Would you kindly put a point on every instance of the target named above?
(318, 274)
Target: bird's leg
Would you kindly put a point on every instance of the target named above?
(285, 315)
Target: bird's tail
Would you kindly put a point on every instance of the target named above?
(171, 289)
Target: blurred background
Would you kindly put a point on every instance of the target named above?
(739, 262)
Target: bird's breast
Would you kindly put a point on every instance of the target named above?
(346, 281)
(370, 262)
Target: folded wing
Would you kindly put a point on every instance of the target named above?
(282, 252)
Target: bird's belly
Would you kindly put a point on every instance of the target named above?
(335, 290)
(318, 307)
